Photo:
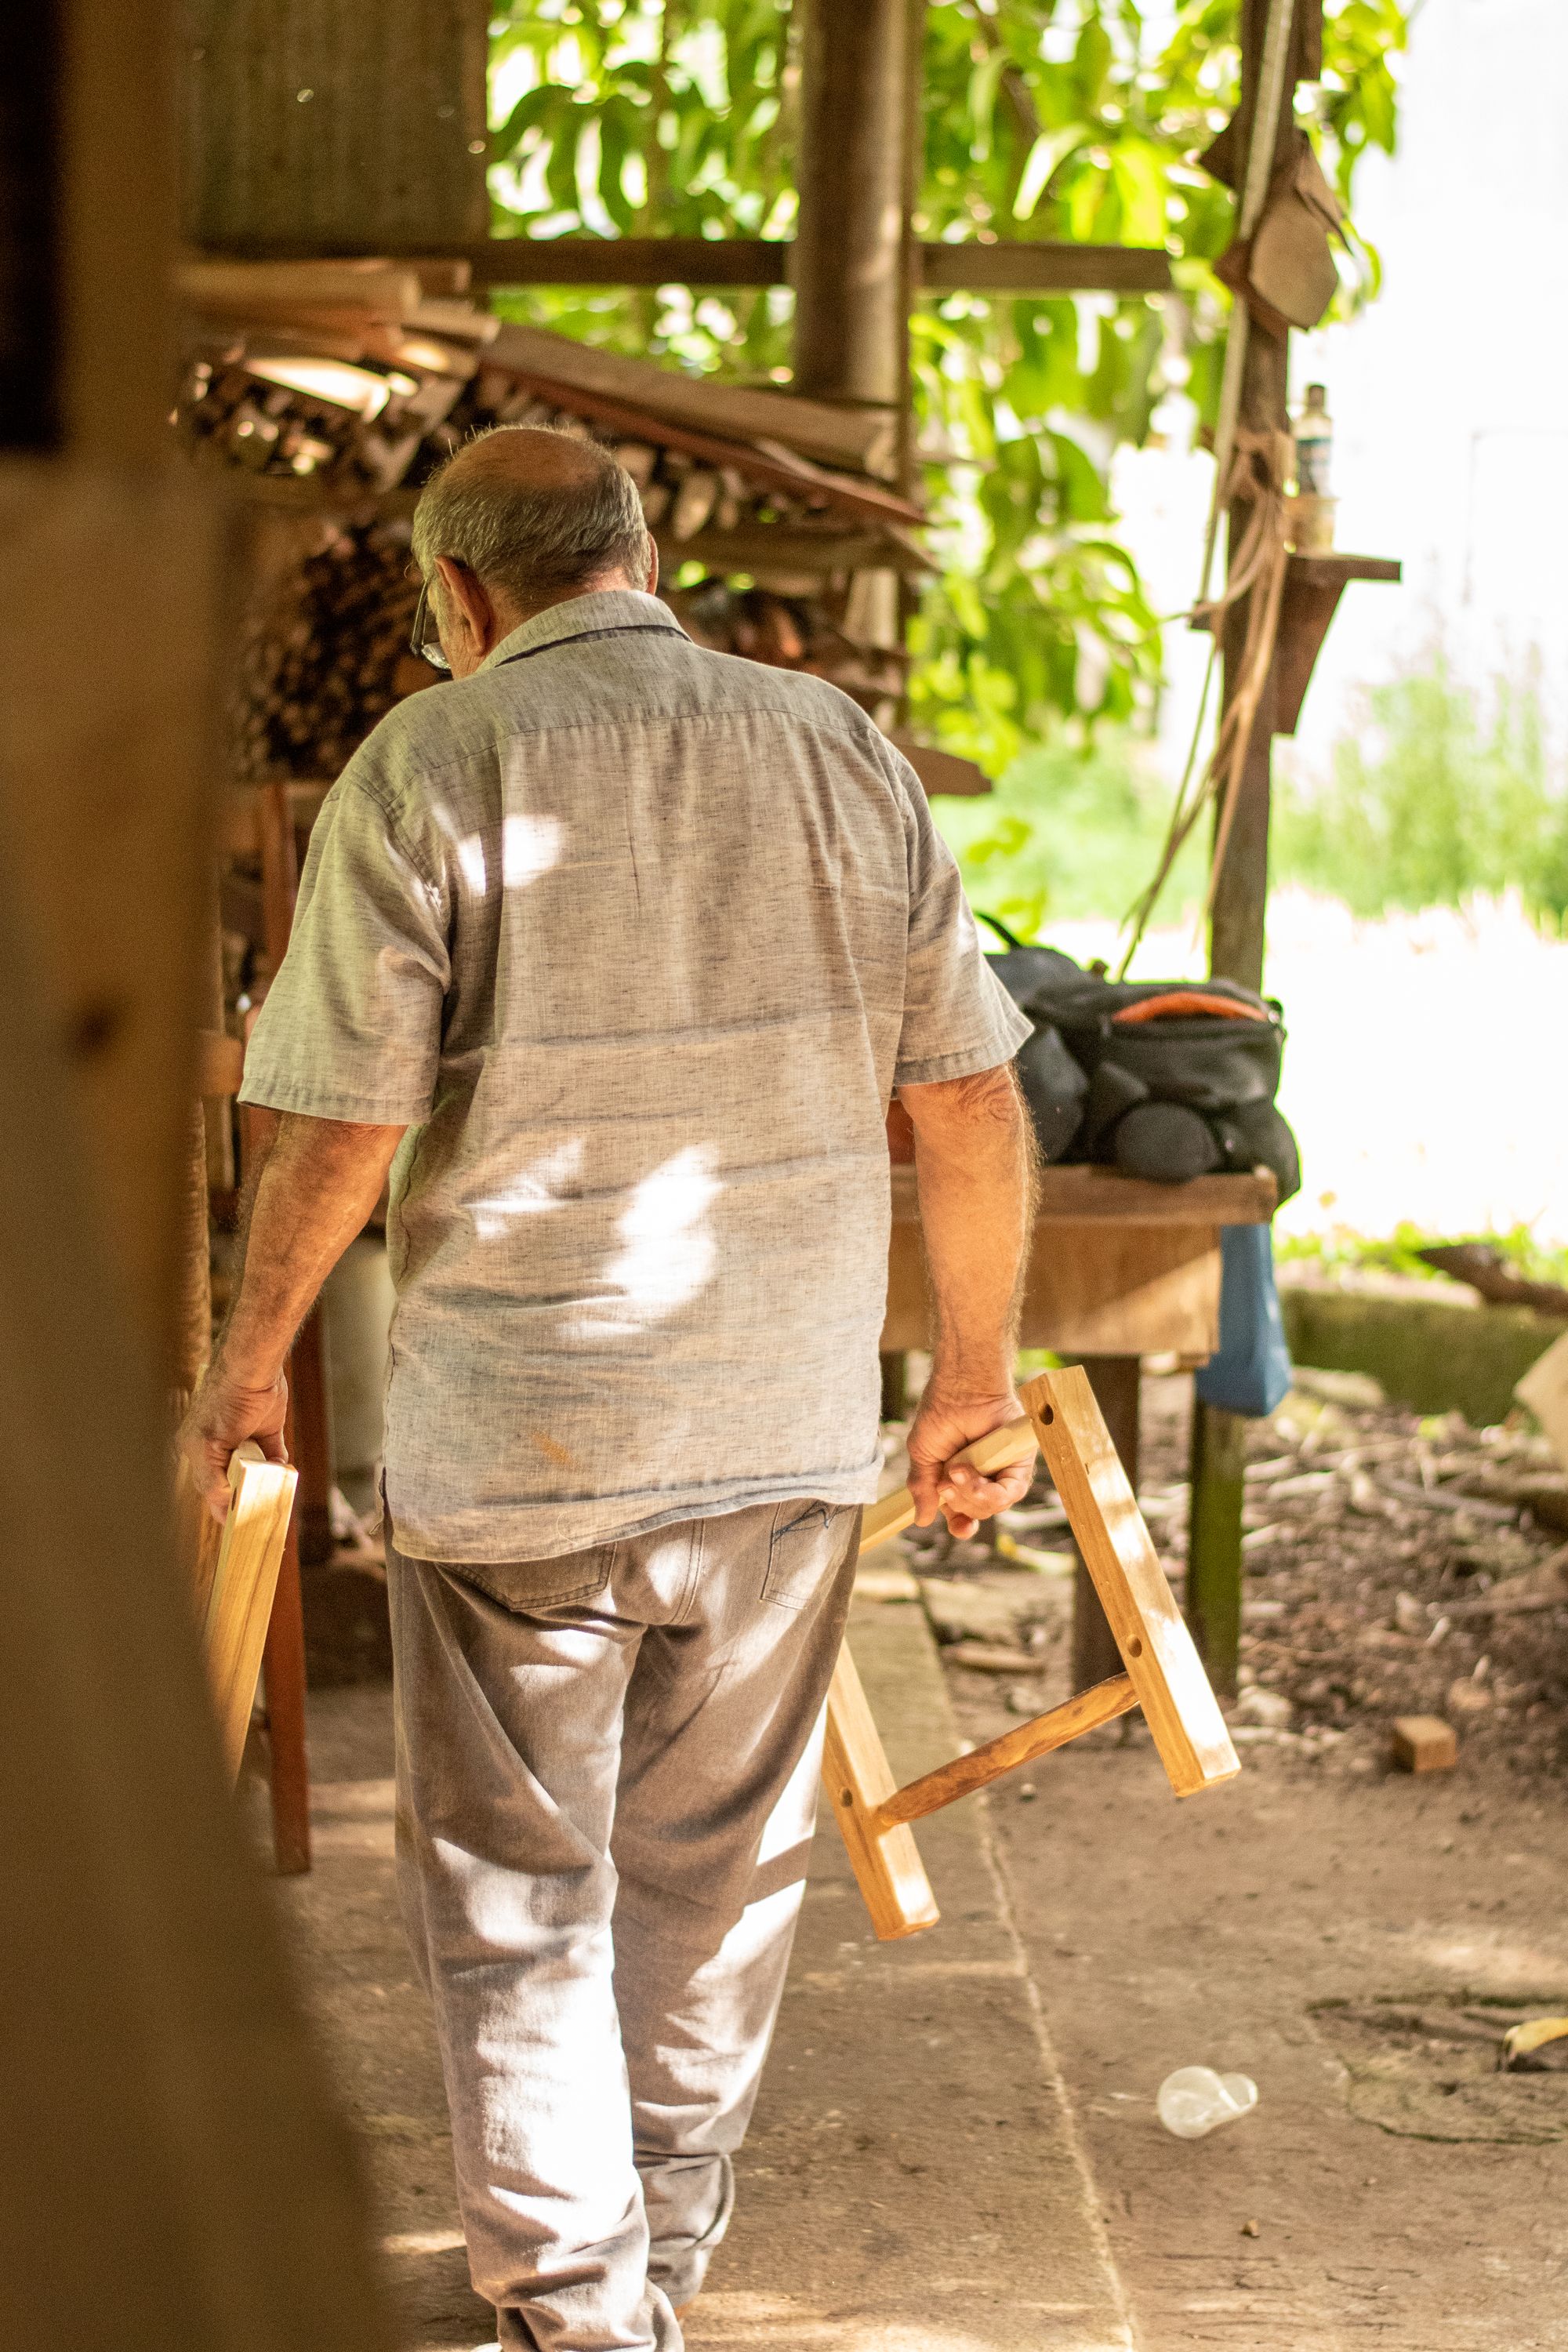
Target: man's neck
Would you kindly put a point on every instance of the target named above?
(511, 616)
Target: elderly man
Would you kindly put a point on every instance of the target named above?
(613, 951)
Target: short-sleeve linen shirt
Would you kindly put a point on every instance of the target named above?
(637, 938)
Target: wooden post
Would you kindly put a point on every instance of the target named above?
(1116, 1382)
(1214, 1540)
(1237, 938)
(851, 262)
(144, 1987)
(847, 265)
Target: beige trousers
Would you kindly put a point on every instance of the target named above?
(607, 1783)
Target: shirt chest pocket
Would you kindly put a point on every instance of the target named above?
(806, 1544)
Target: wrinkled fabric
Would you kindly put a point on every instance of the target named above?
(606, 1784)
(638, 939)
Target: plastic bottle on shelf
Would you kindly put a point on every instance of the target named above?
(1315, 445)
(1195, 2100)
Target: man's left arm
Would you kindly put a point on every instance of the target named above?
(319, 1180)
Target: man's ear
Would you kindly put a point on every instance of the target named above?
(470, 611)
(651, 583)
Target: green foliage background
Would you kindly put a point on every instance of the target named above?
(1043, 118)
(1439, 794)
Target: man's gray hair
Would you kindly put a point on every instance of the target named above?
(534, 541)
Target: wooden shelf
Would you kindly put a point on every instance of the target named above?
(1334, 570)
(1313, 586)
(1082, 1195)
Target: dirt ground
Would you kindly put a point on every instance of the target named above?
(1354, 1938)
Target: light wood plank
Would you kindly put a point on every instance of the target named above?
(1092, 1289)
(1085, 1712)
(244, 1580)
(1157, 1649)
(857, 1779)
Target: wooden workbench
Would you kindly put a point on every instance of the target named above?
(1120, 1269)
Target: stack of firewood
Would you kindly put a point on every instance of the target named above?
(760, 543)
(790, 633)
(325, 650)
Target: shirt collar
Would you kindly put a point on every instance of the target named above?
(583, 616)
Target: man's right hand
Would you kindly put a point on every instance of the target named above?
(223, 1413)
(945, 1424)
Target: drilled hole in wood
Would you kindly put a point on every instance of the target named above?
(1135, 1648)
(1048, 1413)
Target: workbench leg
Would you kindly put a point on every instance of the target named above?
(1116, 1382)
(1214, 1542)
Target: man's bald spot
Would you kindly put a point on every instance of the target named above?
(535, 515)
(527, 457)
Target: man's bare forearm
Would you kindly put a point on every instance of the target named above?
(974, 1166)
(318, 1183)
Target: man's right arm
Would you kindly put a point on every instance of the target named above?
(974, 1167)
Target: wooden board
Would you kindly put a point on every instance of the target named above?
(1092, 1289)
(245, 1578)
(1102, 1196)
(857, 1779)
(841, 436)
(1157, 1649)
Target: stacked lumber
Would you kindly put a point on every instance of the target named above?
(332, 392)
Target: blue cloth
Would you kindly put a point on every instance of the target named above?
(1251, 1370)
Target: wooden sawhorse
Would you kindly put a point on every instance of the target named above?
(1160, 1669)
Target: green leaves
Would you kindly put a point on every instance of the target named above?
(1040, 118)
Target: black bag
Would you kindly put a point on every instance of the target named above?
(1165, 1079)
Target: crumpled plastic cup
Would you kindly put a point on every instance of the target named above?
(1195, 2100)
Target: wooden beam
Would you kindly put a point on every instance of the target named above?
(1016, 265)
(555, 363)
(1009, 265)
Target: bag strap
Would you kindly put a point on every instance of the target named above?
(1010, 938)
(1178, 1000)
